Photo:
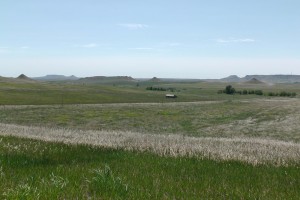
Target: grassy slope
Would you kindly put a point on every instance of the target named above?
(39, 93)
(255, 118)
(31, 169)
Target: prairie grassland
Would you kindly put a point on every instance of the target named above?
(236, 149)
(249, 150)
(34, 169)
(255, 131)
(276, 119)
(41, 93)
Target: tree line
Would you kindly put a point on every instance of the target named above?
(231, 90)
(160, 89)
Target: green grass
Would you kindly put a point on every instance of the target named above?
(32, 169)
(258, 118)
(41, 93)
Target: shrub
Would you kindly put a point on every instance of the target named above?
(258, 92)
(229, 89)
(161, 89)
(104, 181)
(251, 92)
(282, 94)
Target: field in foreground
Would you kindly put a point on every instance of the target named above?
(212, 147)
(31, 169)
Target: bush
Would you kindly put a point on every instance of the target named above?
(229, 89)
(271, 94)
(156, 88)
(251, 92)
(258, 92)
(282, 94)
(161, 89)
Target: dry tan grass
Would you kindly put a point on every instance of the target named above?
(249, 150)
(283, 125)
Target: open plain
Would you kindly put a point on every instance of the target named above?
(68, 140)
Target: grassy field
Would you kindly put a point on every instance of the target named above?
(125, 142)
(37, 170)
(41, 93)
(269, 119)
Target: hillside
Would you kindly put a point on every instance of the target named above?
(6, 79)
(107, 80)
(56, 78)
(254, 81)
(23, 78)
(274, 78)
(264, 78)
(232, 78)
(155, 79)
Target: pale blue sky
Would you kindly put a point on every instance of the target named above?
(163, 38)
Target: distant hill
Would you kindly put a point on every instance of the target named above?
(107, 79)
(170, 80)
(264, 78)
(24, 78)
(155, 79)
(274, 78)
(232, 78)
(254, 81)
(56, 78)
(6, 79)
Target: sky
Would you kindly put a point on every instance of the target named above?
(162, 38)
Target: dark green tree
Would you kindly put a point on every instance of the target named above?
(229, 89)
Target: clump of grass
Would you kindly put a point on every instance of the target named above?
(106, 183)
(58, 182)
(21, 191)
(2, 174)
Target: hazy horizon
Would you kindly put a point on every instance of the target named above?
(42, 76)
(169, 39)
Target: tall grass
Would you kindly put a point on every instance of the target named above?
(249, 150)
(32, 169)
